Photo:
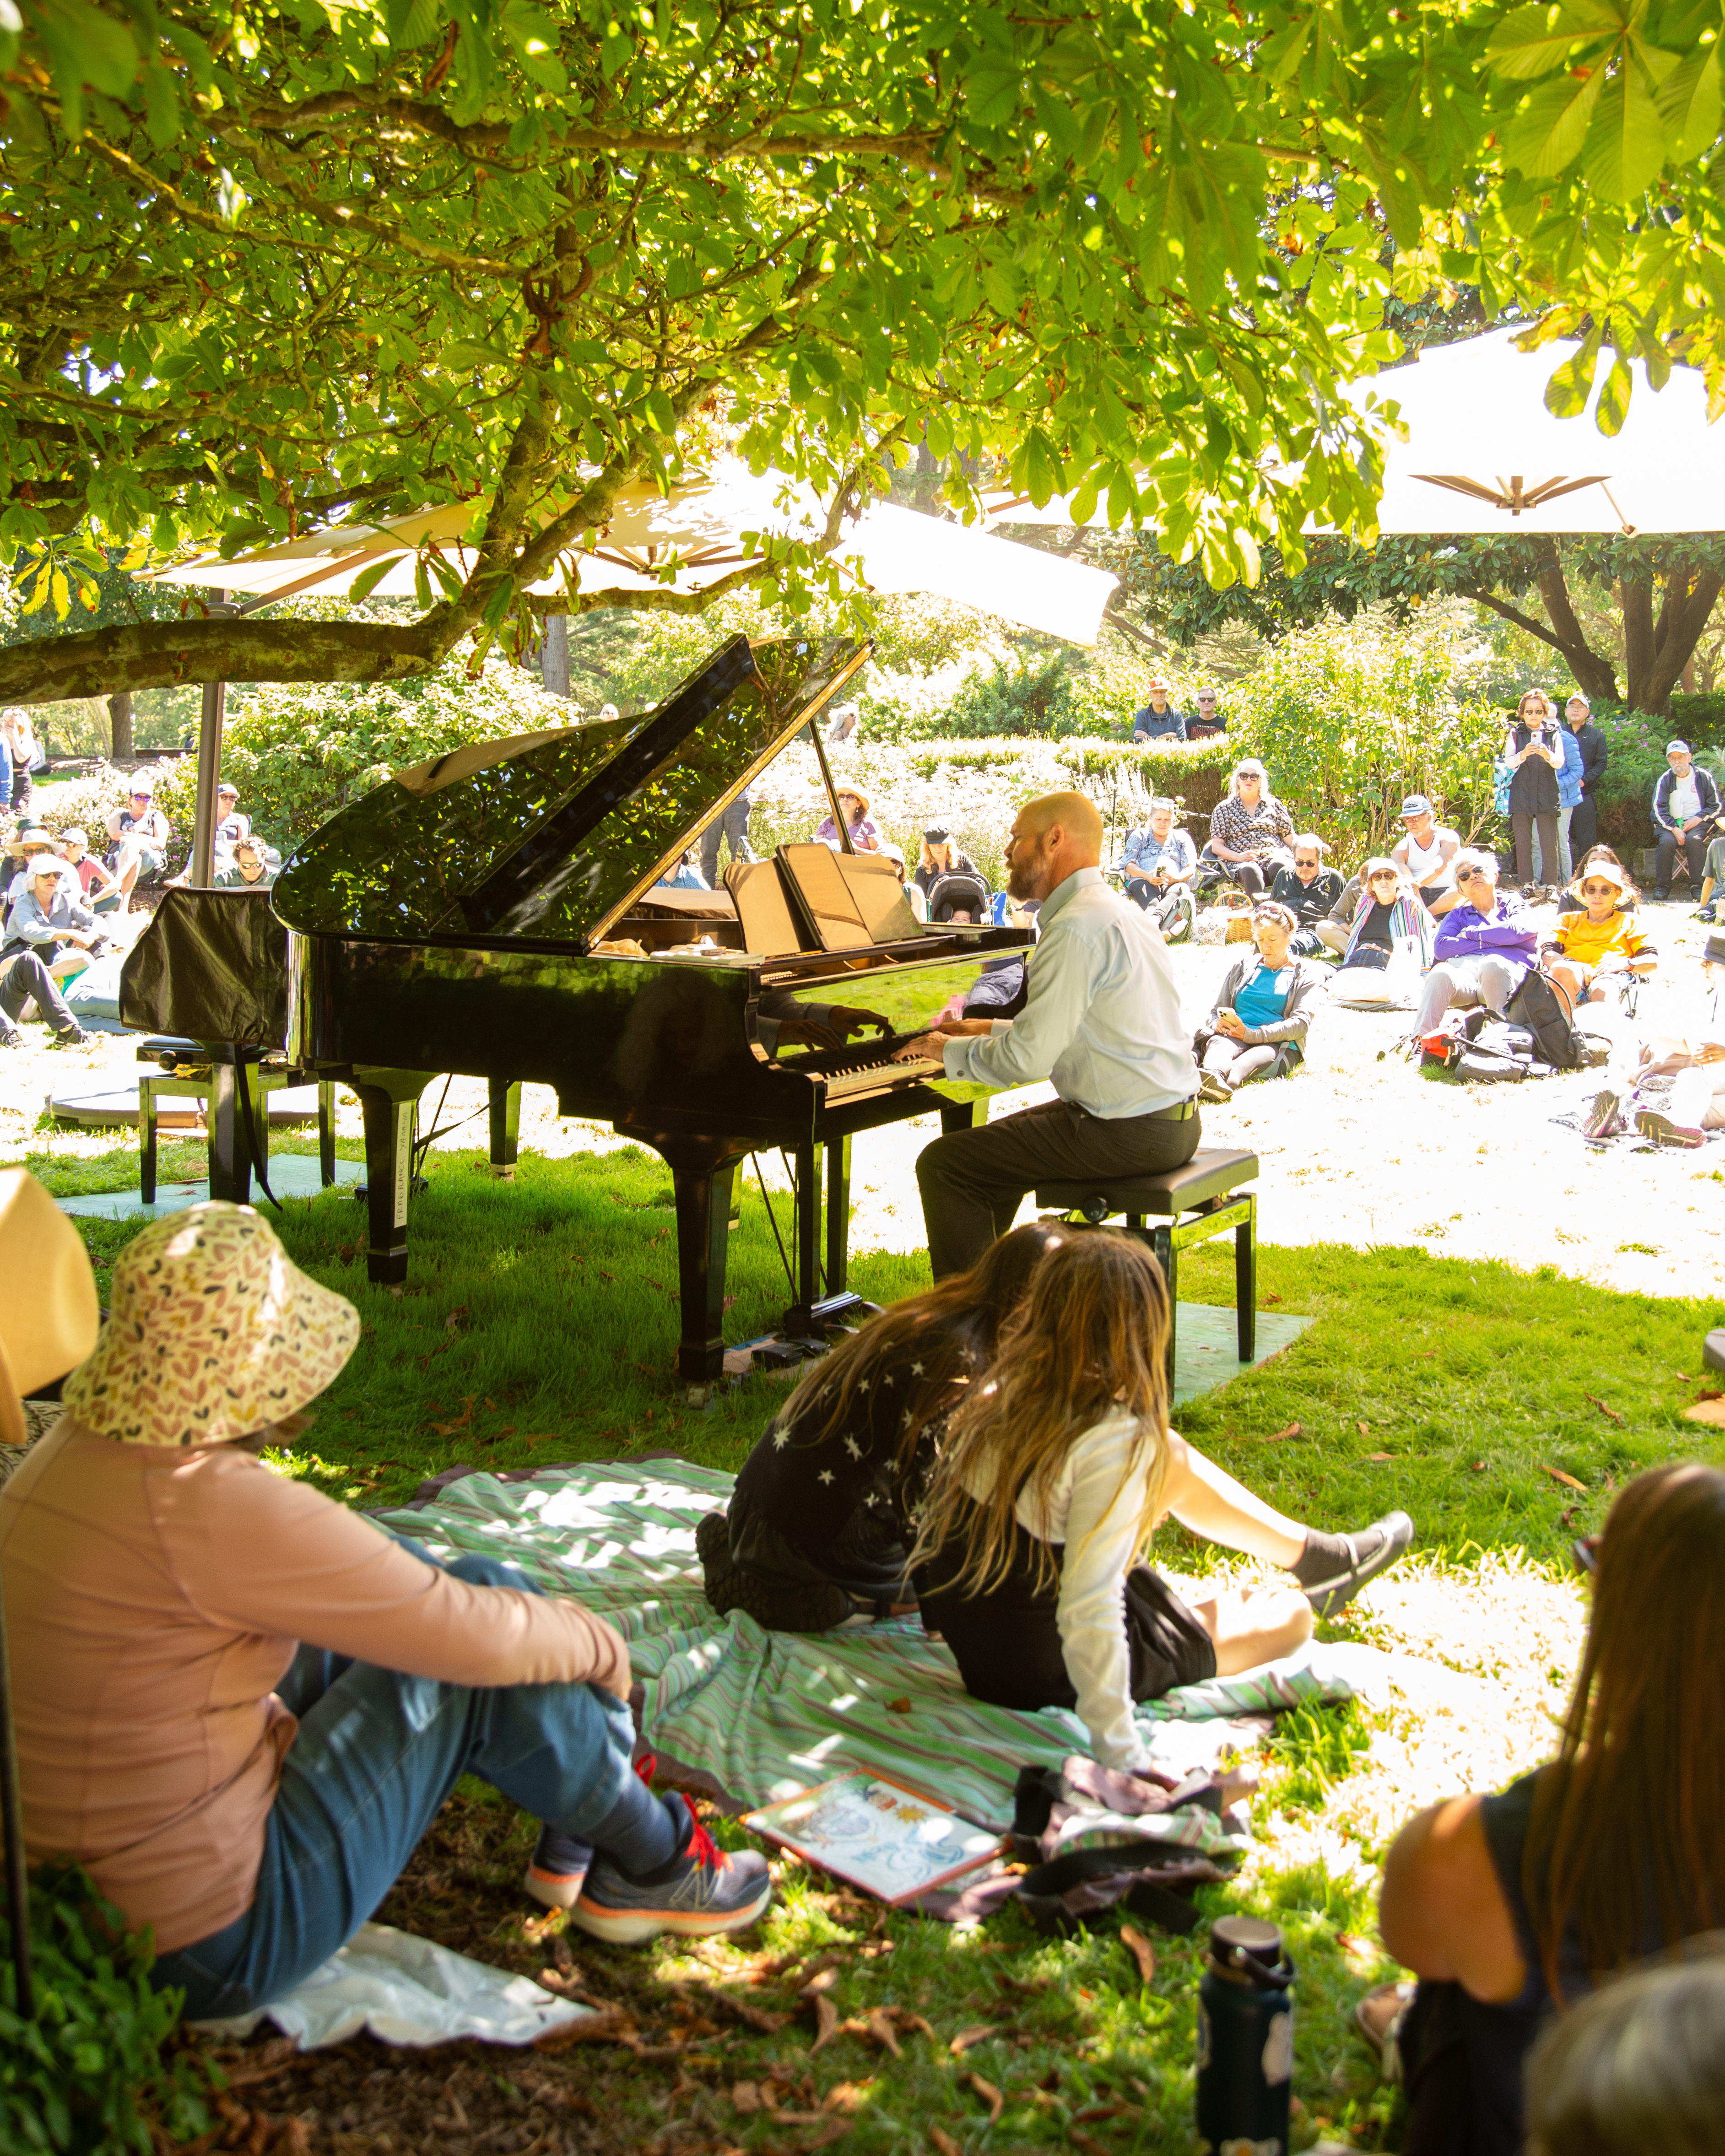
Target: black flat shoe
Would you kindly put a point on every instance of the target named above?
(1373, 1550)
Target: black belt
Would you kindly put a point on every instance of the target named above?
(1176, 1111)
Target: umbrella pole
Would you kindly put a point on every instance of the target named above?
(846, 843)
(209, 770)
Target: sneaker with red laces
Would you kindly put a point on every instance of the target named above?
(704, 1890)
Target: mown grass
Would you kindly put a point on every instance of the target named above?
(538, 1324)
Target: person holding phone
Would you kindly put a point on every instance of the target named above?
(1532, 747)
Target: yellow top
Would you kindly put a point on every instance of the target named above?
(1591, 943)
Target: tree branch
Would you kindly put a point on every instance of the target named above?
(161, 654)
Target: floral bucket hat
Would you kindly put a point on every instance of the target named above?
(213, 1333)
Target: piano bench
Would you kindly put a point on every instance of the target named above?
(188, 1072)
(1189, 1204)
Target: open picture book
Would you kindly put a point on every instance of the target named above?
(881, 1835)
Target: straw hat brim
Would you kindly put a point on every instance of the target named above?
(48, 1311)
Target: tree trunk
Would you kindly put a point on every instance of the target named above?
(1690, 597)
(119, 723)
(554, 654)
(1593, 672)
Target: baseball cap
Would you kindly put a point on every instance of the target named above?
(141, 782)
(75, 837)
(227, 786)
(1676, 747)
(1416, 804)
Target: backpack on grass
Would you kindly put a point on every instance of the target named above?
(1546, 1011)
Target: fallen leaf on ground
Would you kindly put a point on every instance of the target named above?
(746, 2095)
(1479, 1467)
(822, 1976)
(1558, 1474)
(1708, 1411)
(1364, 1428)
(882, 2029)
(966, 2037)
(1092, 2112)
(1277, 1436)
(1371, 1456)
(898, 1706)
(544, 1437)
(847, 2096)
(1602, 1408)
(826, 2024)
(1270, 1298)
(944, 2142)
(1141, 1950)
(990, 2096)
(614, 2028)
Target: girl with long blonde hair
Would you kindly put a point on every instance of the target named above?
(1053, 1472)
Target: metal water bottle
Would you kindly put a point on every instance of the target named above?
(1245, 2041)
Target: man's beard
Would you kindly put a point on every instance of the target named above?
(1023, 875)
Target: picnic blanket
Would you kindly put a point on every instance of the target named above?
(765, 1714)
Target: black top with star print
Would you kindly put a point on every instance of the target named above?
(809, 1485)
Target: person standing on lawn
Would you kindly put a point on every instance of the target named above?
(1101, 1018)
(1159, 720)
(1685, 806)
(1532, 747)
(731, 824)
(1595, 755)
(240, 1704)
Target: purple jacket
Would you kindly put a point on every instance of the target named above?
(1463, 933)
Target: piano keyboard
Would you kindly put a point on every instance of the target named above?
(871, 1077)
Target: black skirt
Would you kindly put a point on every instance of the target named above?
(1007, 1642)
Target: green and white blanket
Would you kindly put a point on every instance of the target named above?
(768, 1713)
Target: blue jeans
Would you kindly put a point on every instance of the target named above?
(375, 1756)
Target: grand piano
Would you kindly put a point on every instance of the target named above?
(497, 912)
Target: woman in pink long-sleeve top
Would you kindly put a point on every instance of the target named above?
(240, 1704)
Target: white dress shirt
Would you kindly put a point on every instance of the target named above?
(1096, 1507)
(1102, 1015)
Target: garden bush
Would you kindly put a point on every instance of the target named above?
(95, 2067)
(1349, 716)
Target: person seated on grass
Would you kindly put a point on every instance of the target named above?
(1712, 875)
(231, 827)
(1310, 891)
(1637, 2066)
(1512, 1907)
(1053, 1470)
(26, 983)
(49, 918)
(1484, 948)
(1251, 832)
(101, 891)
(1425, 854)
(1159, 863)
(854, 807)
(1694, 1061)
(31, 848)
(1588, 953)
(951, 885)
(818, 1522)
(140, 834)
(1256, 1028)
(1387, 940)
(240, 1704)
(1569, 900)
(250, 868)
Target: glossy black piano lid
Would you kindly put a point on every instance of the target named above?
(559, 839)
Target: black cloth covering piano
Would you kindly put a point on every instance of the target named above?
(497, 912)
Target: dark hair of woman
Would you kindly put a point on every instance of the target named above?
(1627, 1818)
(1088, 1342)
(961, 1316)
(1604, 853)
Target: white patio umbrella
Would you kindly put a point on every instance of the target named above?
(698, 530)
(1483, 453)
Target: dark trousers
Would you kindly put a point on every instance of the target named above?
(26, 976)
(1523, 826)
(733, 825)
(1695, 853)
(1583, 829)
(973, 1181)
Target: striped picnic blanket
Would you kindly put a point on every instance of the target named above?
(768, 1713)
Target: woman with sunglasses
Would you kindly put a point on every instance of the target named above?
(1585, 948)
(1386, 944)
(1251, 832)
(1256, 1028)
(1511, 1907)
(141, 833)
(1533, 749)
(1483, 949)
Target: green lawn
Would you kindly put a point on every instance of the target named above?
(539, 1323)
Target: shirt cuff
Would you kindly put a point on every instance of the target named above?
(955, 1055)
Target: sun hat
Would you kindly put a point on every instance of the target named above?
(1607, 871)
(845, 786)
(213, 1333)
(1416, 804)
(34, 834)
(48, 1311)
(1676, 747)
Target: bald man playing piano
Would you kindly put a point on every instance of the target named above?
(1101, 1018)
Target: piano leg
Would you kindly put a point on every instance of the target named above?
(505, 1098)
(838, 1214)
(703, 1187)
(230, 1153)
(963, 1115)
(387, 1101)
(799, 1319)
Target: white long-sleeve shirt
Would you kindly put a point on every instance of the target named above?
(1096, 1507)
(1102, 1016)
